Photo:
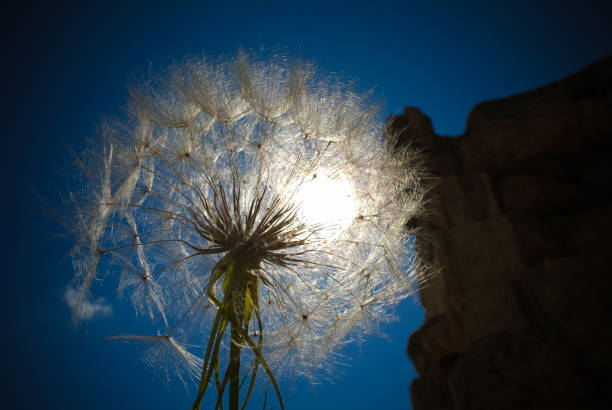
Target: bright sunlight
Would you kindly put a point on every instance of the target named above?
(329, 201)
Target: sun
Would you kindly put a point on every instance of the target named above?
(328, 201)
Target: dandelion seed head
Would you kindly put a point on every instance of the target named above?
(262, 167)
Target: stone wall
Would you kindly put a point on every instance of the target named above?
(520, 315)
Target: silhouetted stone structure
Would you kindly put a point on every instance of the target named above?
(520, 316)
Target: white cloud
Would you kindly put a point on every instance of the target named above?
(90, 308)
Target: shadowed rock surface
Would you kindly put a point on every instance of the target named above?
(520, 315)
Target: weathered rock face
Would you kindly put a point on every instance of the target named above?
(520, 315)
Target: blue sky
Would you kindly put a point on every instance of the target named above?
(70, 67)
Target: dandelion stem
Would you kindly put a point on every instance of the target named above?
(234, 370)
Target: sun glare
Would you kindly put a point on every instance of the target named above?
(329, 201)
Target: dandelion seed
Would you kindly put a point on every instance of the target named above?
(257, 209)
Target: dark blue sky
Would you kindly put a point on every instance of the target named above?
(69, 66)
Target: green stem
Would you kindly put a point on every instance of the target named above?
(234, 371)
(239, 303)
